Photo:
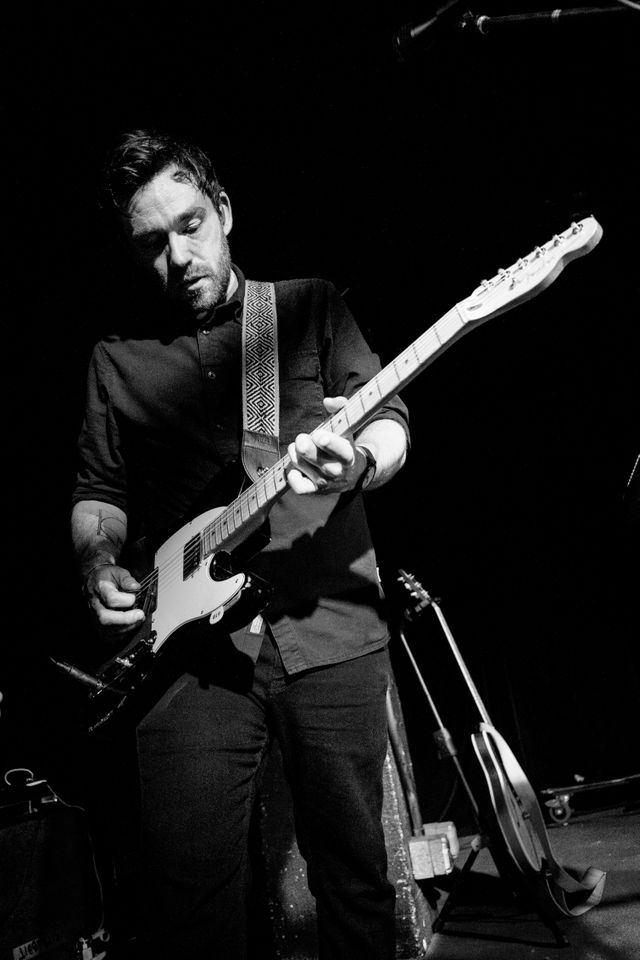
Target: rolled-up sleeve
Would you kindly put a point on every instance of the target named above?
(101, 469)
(349, 363)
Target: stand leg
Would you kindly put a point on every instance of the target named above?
(544, 916)
(550, 922)
(449, 904)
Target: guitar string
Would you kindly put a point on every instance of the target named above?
(173, 565)
(172, 568)
(386, 381)
(230, 514)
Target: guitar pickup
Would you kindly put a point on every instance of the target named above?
(191, 556)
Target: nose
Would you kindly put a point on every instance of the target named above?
(178, 250)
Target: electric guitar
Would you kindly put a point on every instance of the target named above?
(193, 579)
(516, 827)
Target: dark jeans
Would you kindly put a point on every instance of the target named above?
(200, 750)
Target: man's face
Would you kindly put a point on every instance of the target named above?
(181, 240)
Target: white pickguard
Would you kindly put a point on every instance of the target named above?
(181, 601)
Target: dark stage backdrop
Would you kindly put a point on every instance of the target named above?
(405, 183)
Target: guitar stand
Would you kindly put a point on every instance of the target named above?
(477, 844)
(447, 749)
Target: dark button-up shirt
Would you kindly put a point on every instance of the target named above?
(164, 419)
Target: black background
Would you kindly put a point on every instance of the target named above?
(405, 183)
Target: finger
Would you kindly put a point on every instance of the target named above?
(113, 598)
(115, 620)
(303, 484)
(317, 449)
(119, 618)
(333, 404)
(119, 633)
(315, 466)
(305, 456)
(333, 447)
(129, 584)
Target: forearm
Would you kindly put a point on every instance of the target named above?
(387, 441)
(98, 533)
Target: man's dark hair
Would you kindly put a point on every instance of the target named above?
(142, 154)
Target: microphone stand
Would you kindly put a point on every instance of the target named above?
(415, 37)
(485, 25)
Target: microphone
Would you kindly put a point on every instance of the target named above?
(414, 35)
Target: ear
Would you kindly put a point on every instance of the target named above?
(226, 214)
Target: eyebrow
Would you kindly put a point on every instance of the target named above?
(196, 210)
(199, 211)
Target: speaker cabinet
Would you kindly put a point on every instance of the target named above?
(50, 897)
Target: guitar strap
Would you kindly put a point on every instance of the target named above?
(260, 386)
(572, 896)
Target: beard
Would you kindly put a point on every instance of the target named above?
(211, 286)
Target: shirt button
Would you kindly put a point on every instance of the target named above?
(211, 375)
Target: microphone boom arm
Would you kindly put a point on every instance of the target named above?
(484, 25)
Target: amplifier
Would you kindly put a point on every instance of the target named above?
(50, 895)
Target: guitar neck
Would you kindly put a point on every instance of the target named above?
(523, 280)
(256, 501)
(397, 374)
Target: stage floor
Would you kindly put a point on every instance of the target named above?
(485, 924)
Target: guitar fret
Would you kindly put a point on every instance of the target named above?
(490, 299)
(435, 330)
(338, 419)
(383, 386)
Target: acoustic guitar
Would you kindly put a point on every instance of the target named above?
(516, 827)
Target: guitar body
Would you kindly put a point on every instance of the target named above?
(182, 596)
(189, 592)
(525, 839)
(510, 794)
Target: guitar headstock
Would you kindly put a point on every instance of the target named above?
(419, 596)
(530, 275)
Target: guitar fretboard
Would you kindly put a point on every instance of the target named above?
(523, 280)
(261, 495)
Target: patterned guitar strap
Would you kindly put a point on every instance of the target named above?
(260, 388)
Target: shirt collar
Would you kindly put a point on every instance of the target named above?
(231, 309)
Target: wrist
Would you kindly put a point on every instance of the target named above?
(369, 468)
(95, 562)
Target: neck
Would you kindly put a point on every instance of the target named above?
(232, 286)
